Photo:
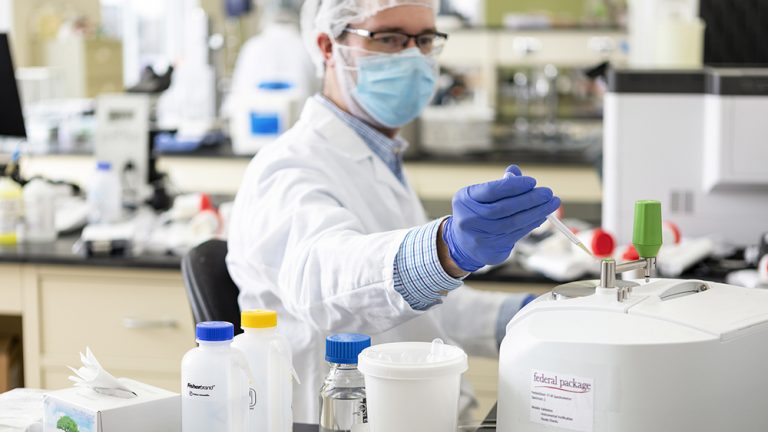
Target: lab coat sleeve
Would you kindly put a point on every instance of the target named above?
(470, 317)
(329, 272)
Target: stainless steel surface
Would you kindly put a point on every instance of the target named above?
(584, 288)
(608, 273)
(609, 270)
(631, 265)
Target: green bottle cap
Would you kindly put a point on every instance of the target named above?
(647, 232)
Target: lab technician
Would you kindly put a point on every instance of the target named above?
(326, 228)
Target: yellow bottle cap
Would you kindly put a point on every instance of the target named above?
(258, 318)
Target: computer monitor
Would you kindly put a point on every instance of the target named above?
(11, 118)
(735, 32)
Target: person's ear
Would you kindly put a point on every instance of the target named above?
(326, 48)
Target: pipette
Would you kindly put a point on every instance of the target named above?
(557, 223)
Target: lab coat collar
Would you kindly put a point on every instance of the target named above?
(345, 139)
(335, 131)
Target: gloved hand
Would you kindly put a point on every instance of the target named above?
(489, 218)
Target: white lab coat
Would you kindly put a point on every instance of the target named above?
(314, 232)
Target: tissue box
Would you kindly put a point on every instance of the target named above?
(84, 410)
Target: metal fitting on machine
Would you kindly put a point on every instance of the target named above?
(609, 269)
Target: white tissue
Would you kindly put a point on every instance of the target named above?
(91, 375)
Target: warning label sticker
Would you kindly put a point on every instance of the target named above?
(564, 401)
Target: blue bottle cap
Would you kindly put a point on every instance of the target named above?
(275, 85)
(345, 347)
(103, 165)
(215, 331)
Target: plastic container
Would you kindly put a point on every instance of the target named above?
(214, 382)
(11, 211)
(269, 357)
(261, 116)
(105, 195)
(600, 242)
(413, 386)
(343, 406)
(39, 212)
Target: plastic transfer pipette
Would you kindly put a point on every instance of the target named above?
(557, 223)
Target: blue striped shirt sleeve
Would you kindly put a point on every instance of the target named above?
(418, 275)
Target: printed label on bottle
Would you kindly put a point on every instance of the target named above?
(197, 390)
(361, 417)
(363, 410)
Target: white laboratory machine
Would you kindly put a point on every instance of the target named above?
(122, 139)
(697, 140)
(637, 356)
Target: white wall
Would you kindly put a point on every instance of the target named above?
(6, 12)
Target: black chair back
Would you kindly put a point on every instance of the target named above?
(211, 291)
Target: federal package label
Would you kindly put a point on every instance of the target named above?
(564, 401)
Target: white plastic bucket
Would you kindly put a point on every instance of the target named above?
(413, 386)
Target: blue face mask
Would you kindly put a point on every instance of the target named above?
(394, 88)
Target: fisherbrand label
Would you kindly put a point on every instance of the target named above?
(564, 401)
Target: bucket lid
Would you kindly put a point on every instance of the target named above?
(413, 360)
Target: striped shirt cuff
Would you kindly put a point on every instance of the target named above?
(418, 275)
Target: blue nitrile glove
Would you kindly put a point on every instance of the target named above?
(489, 218)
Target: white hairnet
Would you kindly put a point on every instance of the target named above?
(333, 16)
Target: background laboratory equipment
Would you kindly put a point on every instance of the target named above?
(214, 382)
(262, 114)
(413, 386)
(269, 357)
(343, 405)
(704, 155)
(122, 137)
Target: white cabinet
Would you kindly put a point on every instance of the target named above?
(137, 322)
(10, 289)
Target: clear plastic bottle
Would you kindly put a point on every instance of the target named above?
(214, 382)
(343, 405)
(39, 212)
(269, 357)
(105, 195)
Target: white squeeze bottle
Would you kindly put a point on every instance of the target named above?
(105, 195)
(214, 382)
(39, 212)
(269, 356)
